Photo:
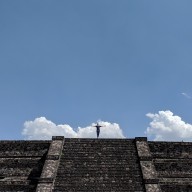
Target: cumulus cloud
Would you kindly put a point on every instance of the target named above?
(41, 128)
(167, 126)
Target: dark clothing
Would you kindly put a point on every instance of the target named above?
(98, 131)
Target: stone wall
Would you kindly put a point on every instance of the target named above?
(21, 163)
(48, 175)
(173, 163)
(99, 165)
(149, 172)
(95, 165)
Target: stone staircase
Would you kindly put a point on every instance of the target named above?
(173, 163)
(21, 164)
(103, 165)
(109, 165)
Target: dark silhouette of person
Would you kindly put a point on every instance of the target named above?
(98, 129)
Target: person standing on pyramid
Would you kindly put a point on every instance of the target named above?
(97, 129)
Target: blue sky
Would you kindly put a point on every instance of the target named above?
(75, 62)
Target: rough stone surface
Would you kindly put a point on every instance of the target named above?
(23, 148)
(56, 146)
(49, 171)
(147, 167)
(21, 163)
(99, 165)
(173, 163)
(44, 187)
(152, 188)
(143, 149)
(110, 165)
(148, 170)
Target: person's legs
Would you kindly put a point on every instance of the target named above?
(98, 131)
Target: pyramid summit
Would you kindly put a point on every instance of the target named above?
(74, 165)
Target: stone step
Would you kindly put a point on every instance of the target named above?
(178, 180)
(71, 140)
(84, 165)
(65, 174)
(100, 174)
(17, 188)
(99, 153)
(99, 165)
(95, 189)
(174, 174)
(176, 188)
(23, 148)
(92, 178)
(174, 168)
(10, 167)
(102, 147)
(104, 159)
(101, 187)
(19, 162)
(96, 144)
(94, 150)
(171, 149)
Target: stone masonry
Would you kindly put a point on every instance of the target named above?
(110, 165)
(99, 165)
(49, 171)
(21, 164)
(173, 163)
(149, 173)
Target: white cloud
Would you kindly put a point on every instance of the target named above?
(186, 95)
(166, 126)
(41, 128)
